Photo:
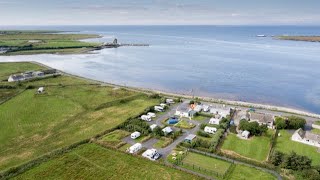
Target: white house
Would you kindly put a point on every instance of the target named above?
(151, 114)
(222, 113)
(146, 118)
(167, 130)
(306, 137)
(183, 111)
(169, 101)
(153, 126)
(135, 135)
(40, 90)
(210, 130)
(151, 154)
(245, 134)
(135, 148)
(158, 108)
(214, 121)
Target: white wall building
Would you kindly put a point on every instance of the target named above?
(306, 137)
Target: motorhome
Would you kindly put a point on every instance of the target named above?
(158, 108)
(210, 130)
(134, 148)
(151, 154)
(135, 135)
(146, 118)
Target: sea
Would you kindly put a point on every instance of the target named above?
(226, 62)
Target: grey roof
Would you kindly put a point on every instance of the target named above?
(263, 118)
(190, 137)
(17, 76)
(307, 135)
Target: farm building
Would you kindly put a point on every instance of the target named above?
(214, 121)
(261, 118)
(135, 148)
(306, 137)
(135, 135)
(190, 138)
(245, 134)
(210, 130)
(167, 130)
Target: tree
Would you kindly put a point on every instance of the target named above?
(276, 158)
(295, 122)
(280, 123)
(296, 162)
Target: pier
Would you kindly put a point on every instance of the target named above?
(115, 44)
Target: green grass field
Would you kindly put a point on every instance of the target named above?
(32, 124)
(286, 145)
(94, 162)
(39, 42)
(205, 162)
(242, 172)
(184, 124)
(114, 138)
(163, 142)
(256, 148)
(6, 69)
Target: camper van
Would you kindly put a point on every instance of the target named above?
(158, 108)
(134, 148)
(151, 154)
(151, 114)
(146, 118)
(210, 130)
(135, 135)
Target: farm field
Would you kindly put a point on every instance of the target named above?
(38, 42)
(286, 145)
(91, 161)
(205, 162)
(34, 124)
(248, 173)
(256, 147)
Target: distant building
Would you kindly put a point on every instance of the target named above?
(38, 73)
(215, 121)
(16, 77)
(306, 137)
(115, 41)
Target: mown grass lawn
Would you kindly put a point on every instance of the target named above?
(91, 161)
(242, 172)
(162, 142)
(184, 124)
(32, 125)
(115, 137)
(256, 147)
(205, 162)
(286, 145)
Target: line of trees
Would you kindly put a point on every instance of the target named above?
(253, 127)
(291, 122)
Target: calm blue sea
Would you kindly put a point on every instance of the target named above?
(218, 61)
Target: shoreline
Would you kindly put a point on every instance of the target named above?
(202, 98)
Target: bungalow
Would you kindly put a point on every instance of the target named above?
(167, 130)
(40, 90)
(16, 77)
(198, 108)
(183, 111)
(190, 138)
(261, 118)
(221, 113)
(210, 130)
(215, 121)
(134, 148)
(306, 137)
(153, 126)
(245, 134)
(169, 101)
(135, 135)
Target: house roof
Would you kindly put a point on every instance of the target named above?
(167, 129)
(17, 76)
(190, 137)
(307, 135)
(262, 118)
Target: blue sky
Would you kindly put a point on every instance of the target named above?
(149, 12)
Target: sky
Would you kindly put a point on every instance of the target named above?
(159, 12)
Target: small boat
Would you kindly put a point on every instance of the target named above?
(261, 35)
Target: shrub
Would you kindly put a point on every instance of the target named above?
(253, 127)
(291, 122)
(202, 133)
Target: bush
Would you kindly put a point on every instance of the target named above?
(296, 162)
(202, 133)
(291, 122)
(276, 158)
(233, 129)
